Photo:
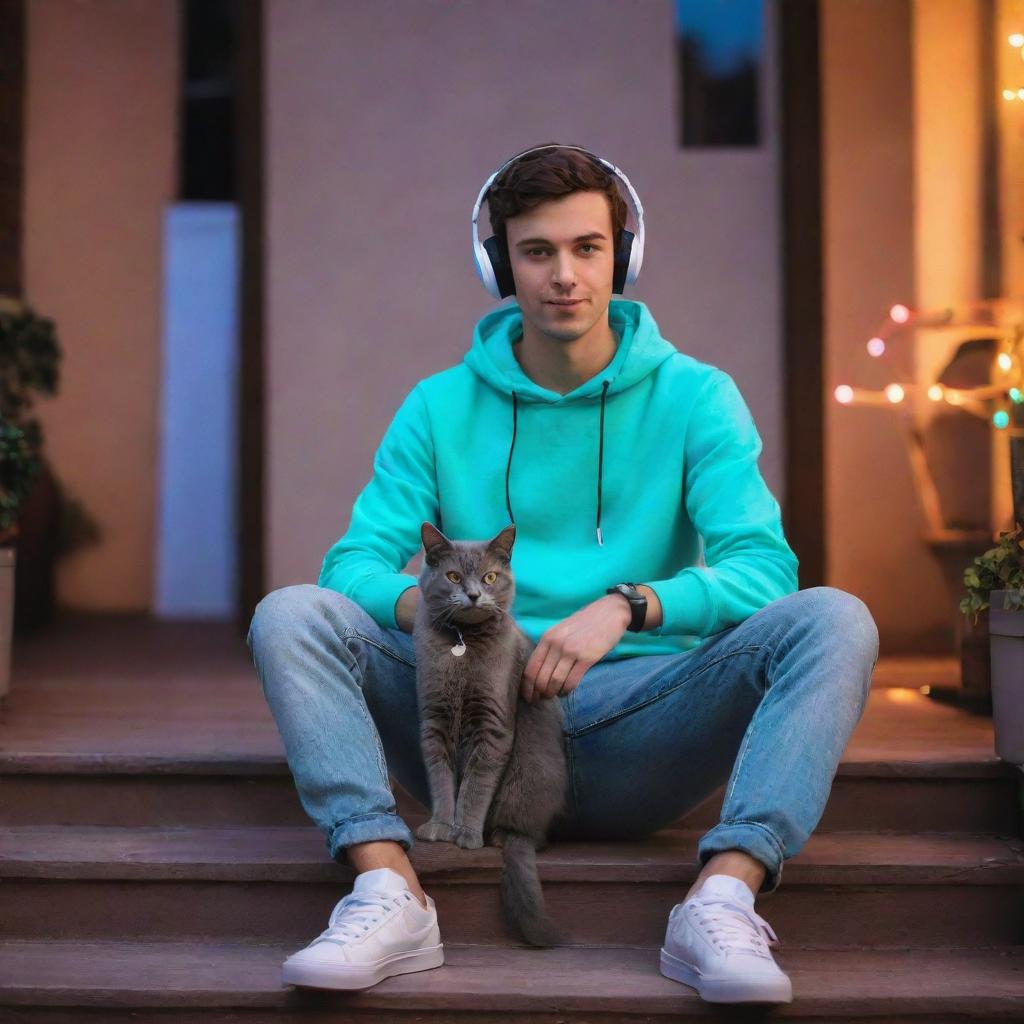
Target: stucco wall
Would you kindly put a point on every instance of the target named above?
(384, 119)
(101, 125)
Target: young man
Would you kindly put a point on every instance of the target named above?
(615, 454)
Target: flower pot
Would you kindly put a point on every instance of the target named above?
(38, 525)
(1006, 636)
(8, 559)
(975, 655)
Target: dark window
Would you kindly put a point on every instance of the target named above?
(719, 47)
(207, 151)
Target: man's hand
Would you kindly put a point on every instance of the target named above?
(571, 646)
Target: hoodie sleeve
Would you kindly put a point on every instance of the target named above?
(749, 562)
(384, 531)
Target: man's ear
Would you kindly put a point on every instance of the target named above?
(434, 543)
(502, 544)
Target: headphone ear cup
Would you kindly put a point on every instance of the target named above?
(500, 265)
(622, 255)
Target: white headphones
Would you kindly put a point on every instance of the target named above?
(495, 272)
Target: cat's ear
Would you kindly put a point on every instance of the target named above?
(434, 542)
(502, 544)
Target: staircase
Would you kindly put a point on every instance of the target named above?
(155, 864)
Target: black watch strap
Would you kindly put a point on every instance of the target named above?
(637, 604)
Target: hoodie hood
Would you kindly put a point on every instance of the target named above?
(641, 349)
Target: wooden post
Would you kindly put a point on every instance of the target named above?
(1017, 461)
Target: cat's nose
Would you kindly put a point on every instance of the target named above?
(472, 597)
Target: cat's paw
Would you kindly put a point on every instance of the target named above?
(497, 837)
(436, 832)
(468, 839)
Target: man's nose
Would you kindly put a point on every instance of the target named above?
(565, 272)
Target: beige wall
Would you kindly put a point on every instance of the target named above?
(384, 119)
(1009, 18)
(947, 156)
(102, 83)
(904, 188)
(872, 523)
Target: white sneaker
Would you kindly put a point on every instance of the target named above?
(377, 930)
(715, 943)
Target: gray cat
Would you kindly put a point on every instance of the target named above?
(495, 763)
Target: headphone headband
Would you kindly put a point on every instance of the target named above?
(492, 267)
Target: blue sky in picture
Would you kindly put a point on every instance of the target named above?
(729, 30)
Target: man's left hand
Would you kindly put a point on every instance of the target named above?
(566, 650)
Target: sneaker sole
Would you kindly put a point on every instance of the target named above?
(727, 990)
(347, 976)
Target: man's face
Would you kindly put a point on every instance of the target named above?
(553, 259)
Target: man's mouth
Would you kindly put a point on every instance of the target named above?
(568, 303)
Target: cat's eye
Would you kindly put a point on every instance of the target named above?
(490, 577)
(453, 576)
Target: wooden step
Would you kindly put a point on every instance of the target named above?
(55, 981)
(279, 883)
(127, 790)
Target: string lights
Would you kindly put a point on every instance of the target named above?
(1001, 404)
(1002, 318)
(1016, 40)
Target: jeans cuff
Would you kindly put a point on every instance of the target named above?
(751, 837)
(368, 828)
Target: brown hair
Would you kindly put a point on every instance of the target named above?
(547, 174)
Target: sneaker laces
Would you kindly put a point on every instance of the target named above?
(356, 913)
(735, 925)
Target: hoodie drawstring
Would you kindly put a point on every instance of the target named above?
(600, 457)
(600, 463)
(508, 468)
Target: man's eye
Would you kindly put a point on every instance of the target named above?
(490, 577)
(586, 245)
(453, 576)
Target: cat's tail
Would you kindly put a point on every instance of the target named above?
(521, 896)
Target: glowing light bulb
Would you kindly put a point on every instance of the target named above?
(935, 392)
(844, 394)
(1017, 395)
(899, 313)
(1017, 39)
(1009, 94)
(1001, 419)
(954, 398)
(1020, 94)
(894, 393)
(1004, 361)
(876, 346)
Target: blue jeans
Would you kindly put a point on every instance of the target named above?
(768, 704)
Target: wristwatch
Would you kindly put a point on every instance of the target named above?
(637, 602)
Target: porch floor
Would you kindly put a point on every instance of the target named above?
(130, 686)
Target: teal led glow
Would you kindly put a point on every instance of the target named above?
(1017, 395)
(1001, 419)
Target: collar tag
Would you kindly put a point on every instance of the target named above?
(460, 648)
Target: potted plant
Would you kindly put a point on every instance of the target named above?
(19, 467)
(29, 358)
(995, 585)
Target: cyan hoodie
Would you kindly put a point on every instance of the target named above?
(619, 479)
